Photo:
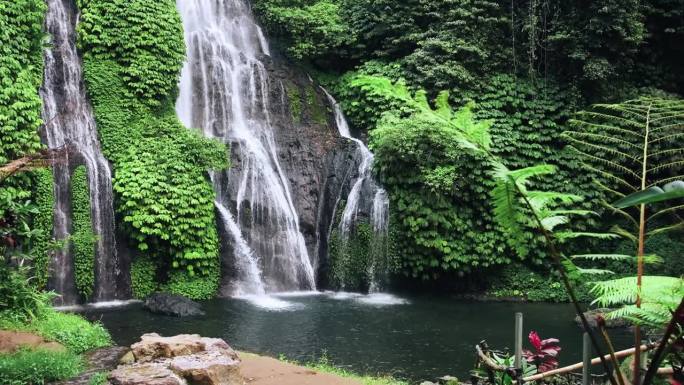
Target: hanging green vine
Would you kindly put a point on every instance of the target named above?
(82, 238)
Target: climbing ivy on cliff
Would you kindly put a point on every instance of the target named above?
(43, 196)
(82, 238)
(133, 54)
(145, 38)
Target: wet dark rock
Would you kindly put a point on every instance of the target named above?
(171, 304)
(611, 323)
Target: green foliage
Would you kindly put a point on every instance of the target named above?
(42, 221)
(632, 146)
(82, 238)
(72, 331)
(532, 284)
(143, 277)
(38, 367)
(167, 206)
(21, 73)
(133, 53)
(432, 164)
(368, 93)
(145, 38)
(659, 298)
(18, 299)
(351, 259)
(311, 28)
(458, 42)
(195, 286)
(99, 379)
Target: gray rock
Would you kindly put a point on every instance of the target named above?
(592, 317)
(145, 374)
(208, 368)
(171, 304)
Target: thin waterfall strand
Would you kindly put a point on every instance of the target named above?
(70, 123)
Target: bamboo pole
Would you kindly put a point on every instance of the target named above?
(580, 365)
(518, 340)
(586, 359)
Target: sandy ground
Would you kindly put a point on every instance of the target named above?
(10, 341)
(259, 370)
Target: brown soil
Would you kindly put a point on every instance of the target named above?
(259, 370)
(11, 341)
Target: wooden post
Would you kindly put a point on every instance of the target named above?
(586, 359)
(518, 340)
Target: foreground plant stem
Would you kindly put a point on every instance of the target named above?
(659, 355)
(555, 254)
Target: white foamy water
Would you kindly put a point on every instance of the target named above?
(381, 299)
(270, 302)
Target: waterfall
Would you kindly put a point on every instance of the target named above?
(380, 204)
(250, 281)
(224, 91)
(69, 123)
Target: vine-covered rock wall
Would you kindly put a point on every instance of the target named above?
(132, 56)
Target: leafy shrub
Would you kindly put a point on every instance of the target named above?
(194, 286)
(143, 277)
(439, 192)
(133, 53)
(535, 285)
(310, 28)
(19, 301)
(38, 367)
(82, 237)
(145, 38)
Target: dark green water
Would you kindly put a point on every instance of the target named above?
(420, 340)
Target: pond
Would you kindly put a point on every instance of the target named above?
(415, 338)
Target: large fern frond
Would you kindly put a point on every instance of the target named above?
(659, 296)
(617, 142)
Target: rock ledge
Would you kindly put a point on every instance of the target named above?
(186, 359)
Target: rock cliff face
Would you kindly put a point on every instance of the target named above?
(320, 165)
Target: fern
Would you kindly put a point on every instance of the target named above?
(659, 296)
(630, 147)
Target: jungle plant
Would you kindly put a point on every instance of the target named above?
(633, 147)
(545, 353)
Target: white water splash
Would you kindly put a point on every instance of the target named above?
(224, 90)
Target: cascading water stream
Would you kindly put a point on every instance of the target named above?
(360, 191)
(69, 122)
(380, 206)
(224, 91)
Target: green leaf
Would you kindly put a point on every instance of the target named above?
(672, 190)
